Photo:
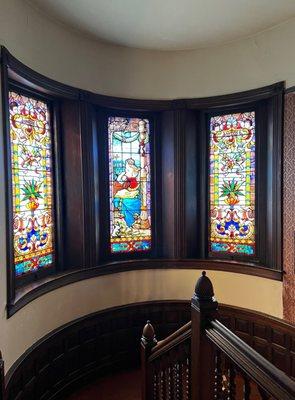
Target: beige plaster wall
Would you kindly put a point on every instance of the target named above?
(81, 298)
(63, 55)
(74, 59)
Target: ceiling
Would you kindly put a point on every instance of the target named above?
(168, 24)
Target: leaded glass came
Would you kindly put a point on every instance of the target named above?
(232, 184)
(31, 162)
(130, 184)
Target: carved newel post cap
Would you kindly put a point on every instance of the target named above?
(204, 288)
(148, 335)
(148, 331)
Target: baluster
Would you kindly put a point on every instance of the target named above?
(167, 377)
(247, 388)
(177, 371)
(218, 377)
(155, 391)
(176, 382)
(232, 383)
(187, 379)
(183, 380)
(161, 386)
(225, 378)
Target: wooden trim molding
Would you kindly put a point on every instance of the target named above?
(21, 73)
(290, 89)
(108, 340)
(236, 99)
(117, 103)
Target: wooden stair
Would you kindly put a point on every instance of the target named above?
(120, 386)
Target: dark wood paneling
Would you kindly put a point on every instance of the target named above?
(168, 184)
(271, 337)
(106, 341)
(89, 347)
(72, 188)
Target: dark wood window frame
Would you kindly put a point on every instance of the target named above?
(179, 182)
(267, 103)
(56, 178)
(103, 215)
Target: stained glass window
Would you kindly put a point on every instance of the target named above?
(31, 161)
(232, 183)
(130, 184)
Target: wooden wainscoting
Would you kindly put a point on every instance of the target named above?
(92, 346)
(108, 341)
(272, 337)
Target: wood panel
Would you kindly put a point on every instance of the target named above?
(271, 337)
(106, 341)
(92, 346)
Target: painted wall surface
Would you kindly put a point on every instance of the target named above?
(81, 298)
(65, 56)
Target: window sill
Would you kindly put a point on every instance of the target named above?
(32, 291)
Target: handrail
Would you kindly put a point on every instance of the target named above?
(270, 378)
(166, 364)
(204, 360)
(171, 341)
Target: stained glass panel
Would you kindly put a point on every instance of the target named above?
(31, 161)
(130, 184)
(232, 183)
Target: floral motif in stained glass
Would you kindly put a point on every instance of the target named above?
(232, 184)
(31, 161)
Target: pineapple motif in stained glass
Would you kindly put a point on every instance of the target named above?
(232, 183)
(31, 161)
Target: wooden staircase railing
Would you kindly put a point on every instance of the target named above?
(234, 359)
(166, 364)
(204, 360)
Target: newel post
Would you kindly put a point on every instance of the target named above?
(148, 341)
(203, 309)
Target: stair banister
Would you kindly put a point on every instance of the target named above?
(204, 360)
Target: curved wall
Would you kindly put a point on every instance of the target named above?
(70, 58)
(81, 298)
